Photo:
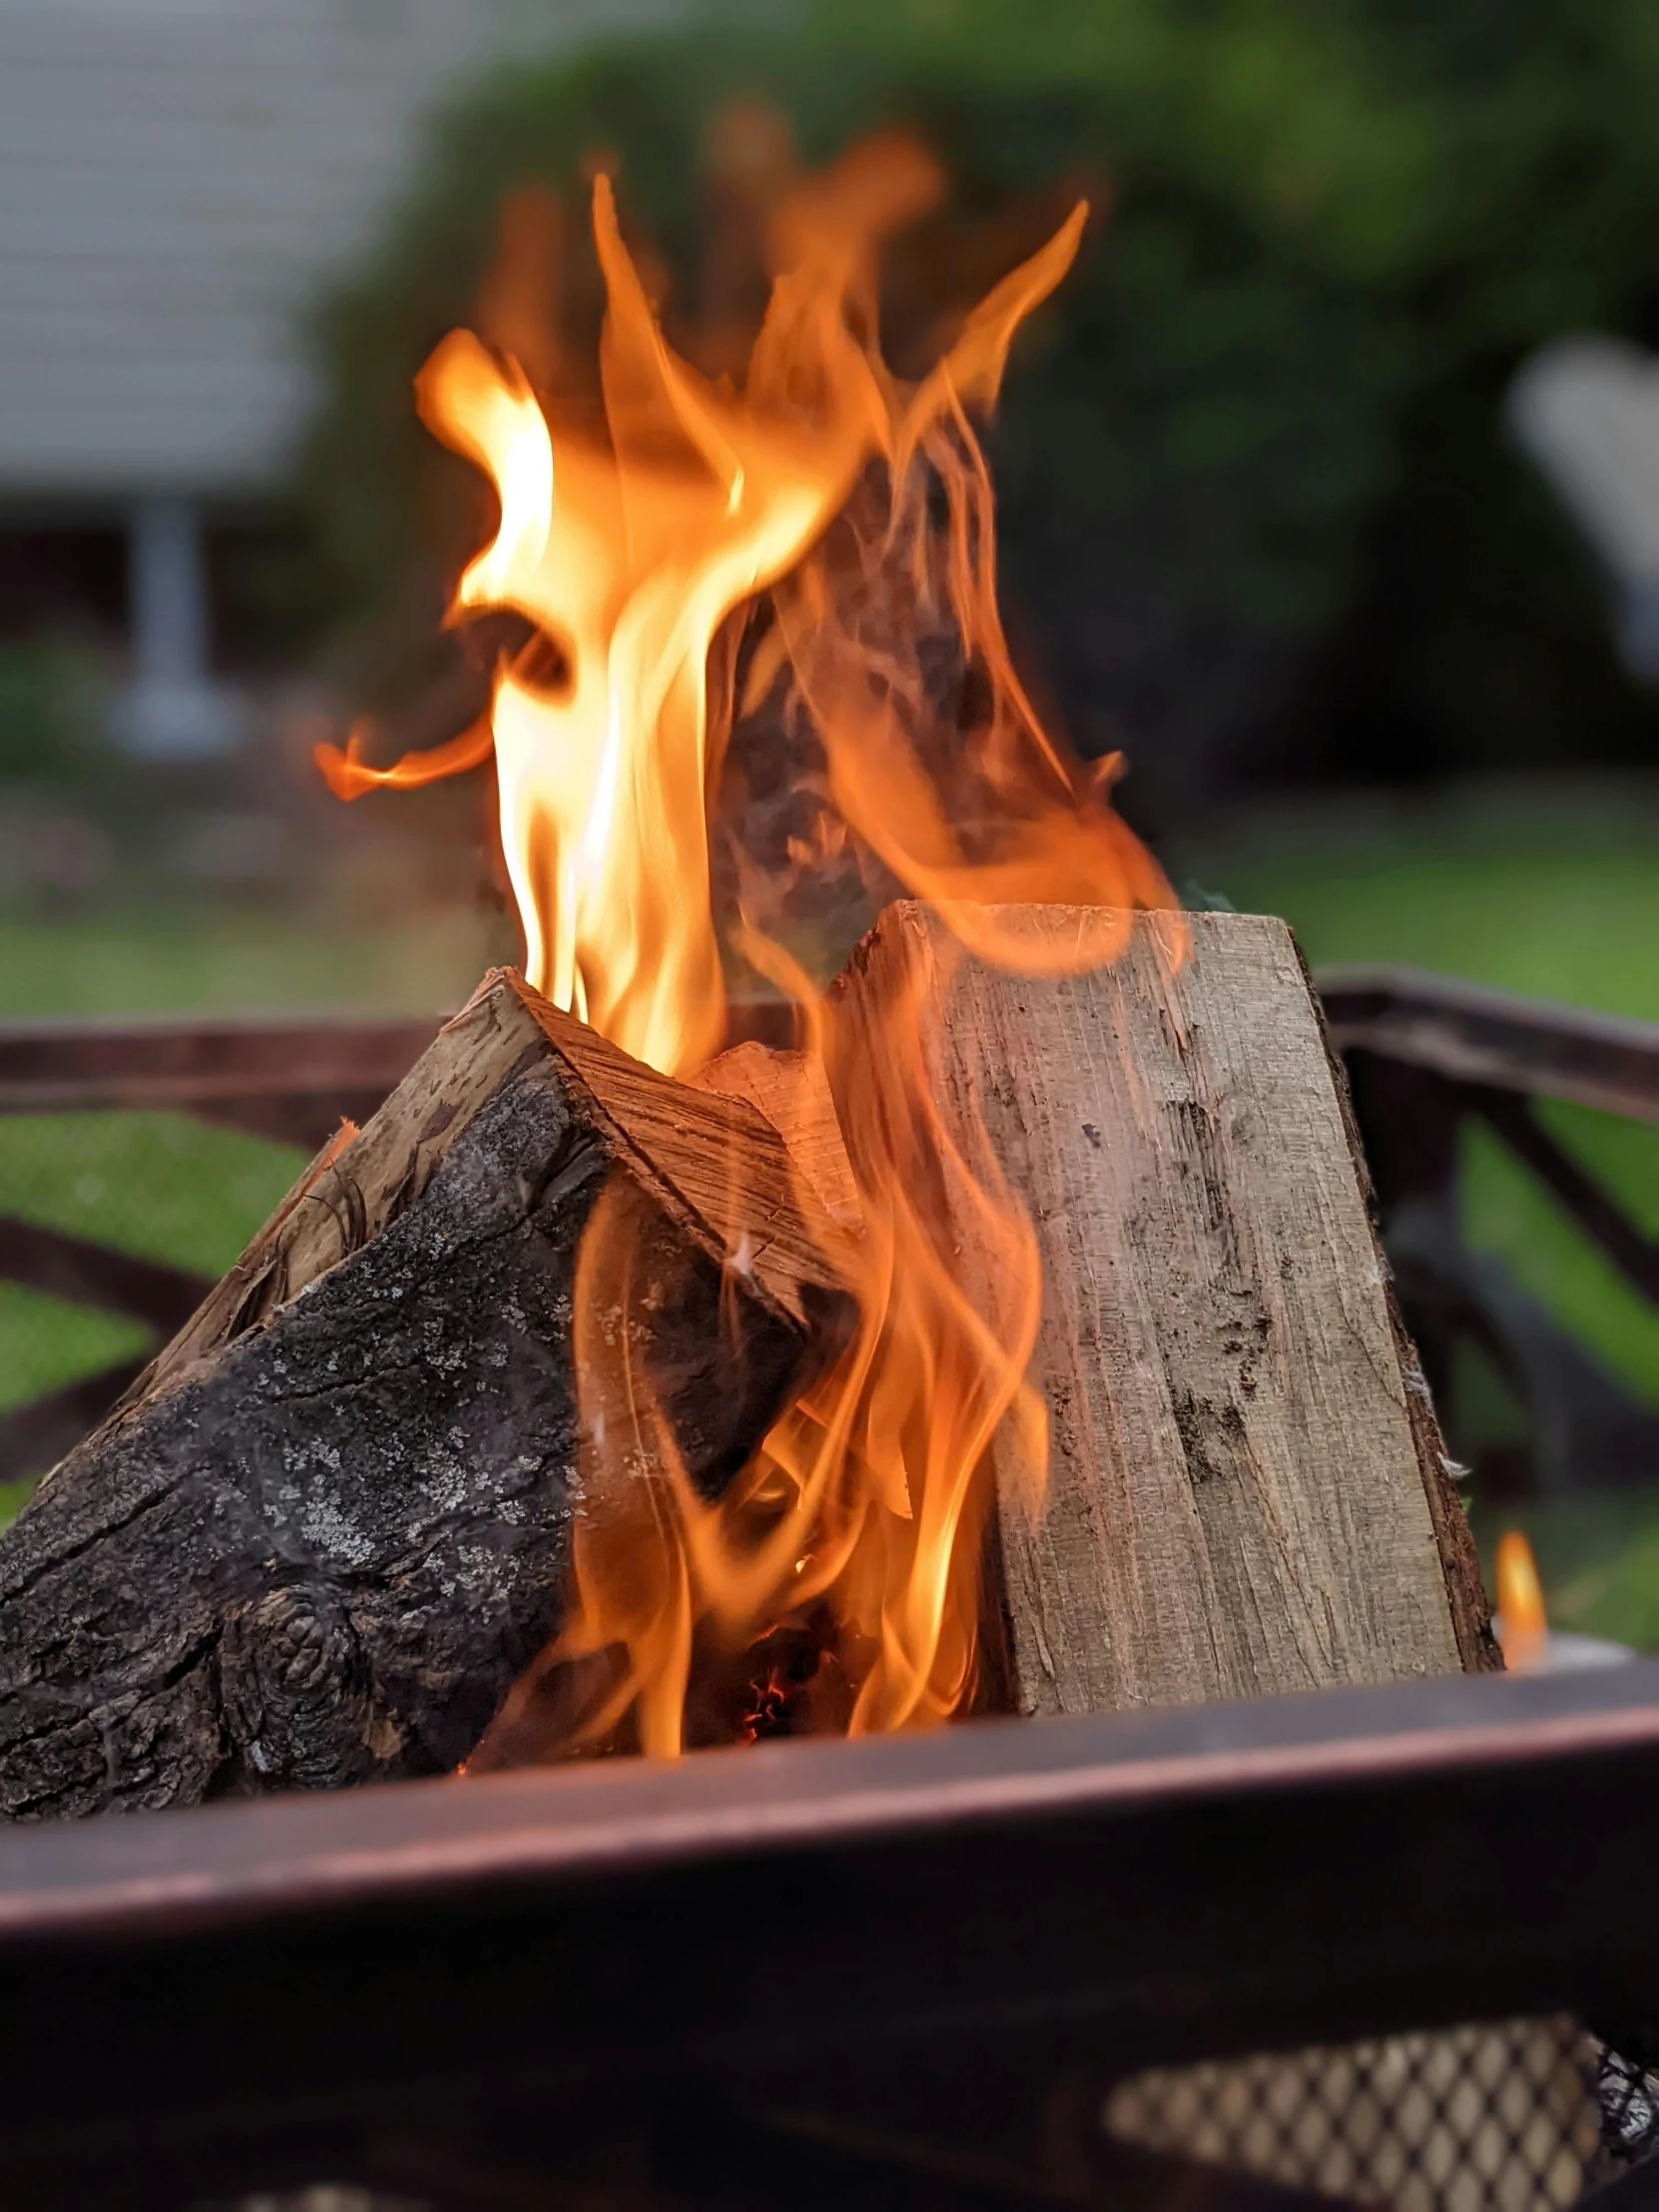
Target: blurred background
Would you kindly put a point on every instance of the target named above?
(1329, 490)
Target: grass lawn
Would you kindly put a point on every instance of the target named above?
(197, 959)
(1573, 915)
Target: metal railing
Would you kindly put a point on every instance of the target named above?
(1339, 1951)
(1426, 1057)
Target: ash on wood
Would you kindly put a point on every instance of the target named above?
(1247, 1491)
(323, 1534)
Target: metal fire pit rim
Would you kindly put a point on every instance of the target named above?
(167, 1873)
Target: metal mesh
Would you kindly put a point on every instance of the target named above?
(1505, 2116)
(1627, 2093)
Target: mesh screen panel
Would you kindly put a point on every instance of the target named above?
(1518, 2116)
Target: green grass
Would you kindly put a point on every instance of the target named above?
(202, 959)
(1573, 914)
(47, 1343)
(1507, 1212)
(156, 1183)
(159, 1184)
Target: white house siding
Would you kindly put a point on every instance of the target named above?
(177, 179)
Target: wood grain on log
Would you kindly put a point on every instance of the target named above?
(323, 1532)
(1243, 1495)
(792, 1089)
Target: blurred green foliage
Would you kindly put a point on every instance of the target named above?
(1258, 512)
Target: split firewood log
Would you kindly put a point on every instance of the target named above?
(1247, 1491)
(323, 1532)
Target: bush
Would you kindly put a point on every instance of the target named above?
(1258, 512)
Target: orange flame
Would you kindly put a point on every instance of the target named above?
(842, 1567)
(1520, 1603)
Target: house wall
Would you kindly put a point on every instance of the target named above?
(178, 178)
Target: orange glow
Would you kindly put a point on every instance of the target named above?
(1520, 1603)
(846, 517)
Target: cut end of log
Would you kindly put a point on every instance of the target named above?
(726, 1175)
(792, 1090)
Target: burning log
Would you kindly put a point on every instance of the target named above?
(1247, 1491)
(327, 1527)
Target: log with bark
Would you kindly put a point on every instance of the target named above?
(326, 1529)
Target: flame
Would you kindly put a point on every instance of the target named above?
(844, 518)
(1520, 1603)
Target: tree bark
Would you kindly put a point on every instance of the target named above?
(321, 1535)
(1248, 1493)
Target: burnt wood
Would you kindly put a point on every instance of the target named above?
(325, 1528)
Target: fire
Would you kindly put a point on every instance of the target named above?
(841, 518)
(1520, 1603)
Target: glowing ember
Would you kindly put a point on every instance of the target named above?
(843, 517)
